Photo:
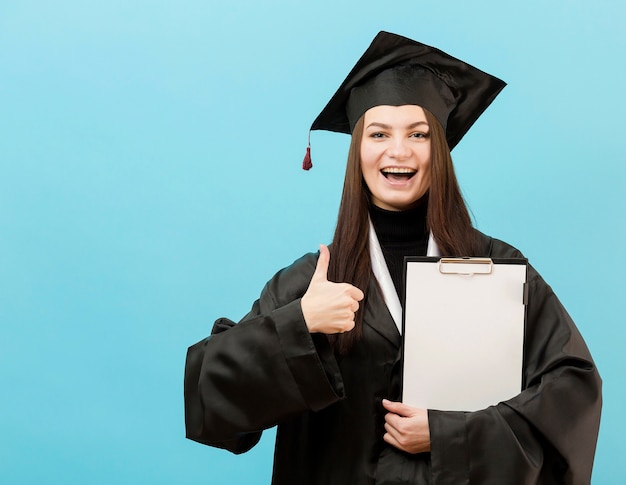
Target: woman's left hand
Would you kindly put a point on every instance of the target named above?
(406, 427)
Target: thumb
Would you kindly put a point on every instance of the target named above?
(321, 270)
(398, 408)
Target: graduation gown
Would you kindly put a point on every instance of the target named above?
(268, 370)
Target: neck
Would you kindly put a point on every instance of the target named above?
(400, 234)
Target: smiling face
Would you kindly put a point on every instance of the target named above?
(395, 155)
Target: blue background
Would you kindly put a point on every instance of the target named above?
(150, 183)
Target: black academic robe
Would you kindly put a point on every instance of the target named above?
(268, 370)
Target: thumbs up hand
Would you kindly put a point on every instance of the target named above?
(329, 307)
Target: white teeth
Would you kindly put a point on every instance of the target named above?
(398, 170)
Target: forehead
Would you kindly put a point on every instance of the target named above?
(410, 113)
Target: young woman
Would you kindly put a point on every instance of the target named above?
(319, 353)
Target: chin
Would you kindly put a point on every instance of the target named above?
(402, 205)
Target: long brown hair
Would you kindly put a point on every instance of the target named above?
(448, 219)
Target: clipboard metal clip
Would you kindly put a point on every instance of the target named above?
(465, 266)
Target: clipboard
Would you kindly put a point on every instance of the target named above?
(463, 331)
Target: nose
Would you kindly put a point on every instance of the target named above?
(399, 148)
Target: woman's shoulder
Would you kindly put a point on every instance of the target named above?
(291, 282)
(303, 267)
(496, 248)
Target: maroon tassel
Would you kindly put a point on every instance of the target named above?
(307, 163)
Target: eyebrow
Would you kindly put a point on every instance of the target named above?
(385, 126)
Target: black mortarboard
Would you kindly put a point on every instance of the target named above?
(395, 70)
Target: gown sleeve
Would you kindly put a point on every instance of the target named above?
(545, 435)
(247, 377)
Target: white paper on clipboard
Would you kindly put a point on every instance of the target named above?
(463, 332)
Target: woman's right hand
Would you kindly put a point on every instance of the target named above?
(329, 307)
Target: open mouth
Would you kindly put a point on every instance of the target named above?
(398, 173)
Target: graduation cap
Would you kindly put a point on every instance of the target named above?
(396, 71)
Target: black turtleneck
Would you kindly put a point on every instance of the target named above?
(400, 233)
